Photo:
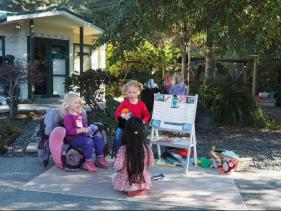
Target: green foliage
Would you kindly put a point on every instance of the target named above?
(106, 115)
(31, 5)
(146, 62)
(272, 125)
(31, 115)
(89, 84)
(231, 104)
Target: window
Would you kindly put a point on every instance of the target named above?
(2, 50)
(86, 57)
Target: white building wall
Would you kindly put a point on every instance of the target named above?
(16, 45)
(95, 59)
(98, 58)
(102, 57)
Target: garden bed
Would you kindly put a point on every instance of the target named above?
(11, 129)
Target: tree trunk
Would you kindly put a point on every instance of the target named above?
(188, 62)
(209, 62)
(254, 85)
(183, 60)
(11, 107)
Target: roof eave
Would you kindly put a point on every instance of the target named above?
(77, 18)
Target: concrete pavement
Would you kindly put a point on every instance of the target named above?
(16, 171)
(259, 190)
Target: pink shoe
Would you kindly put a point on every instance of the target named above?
(90, 166)
(102, 163)
(138, 193)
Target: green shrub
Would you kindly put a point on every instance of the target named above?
(230, 103)
(106, 116)
(89, 84)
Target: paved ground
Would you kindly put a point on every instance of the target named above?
(16, 171)
(259, 190)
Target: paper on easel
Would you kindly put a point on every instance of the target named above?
(169, 115)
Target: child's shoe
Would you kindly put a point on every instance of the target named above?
(138, 193)
(90, 166)
(102, 163)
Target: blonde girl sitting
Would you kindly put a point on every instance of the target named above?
(77, 132)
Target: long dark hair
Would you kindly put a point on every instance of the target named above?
(133, 139)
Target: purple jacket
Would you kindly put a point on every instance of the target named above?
(72, 123)
(178, 89)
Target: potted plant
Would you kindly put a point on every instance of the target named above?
(205, 110)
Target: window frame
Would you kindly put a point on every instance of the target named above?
(2, 39)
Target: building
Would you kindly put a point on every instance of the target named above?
(58, 40)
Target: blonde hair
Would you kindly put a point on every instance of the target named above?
(178, 78)
(67, 100)
(132, 83)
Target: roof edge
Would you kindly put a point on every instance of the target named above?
(6, 16)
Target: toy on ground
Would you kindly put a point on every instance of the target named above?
(161, 162)
(158, 177)
(205, 162)
(225, 161)
(229, 165)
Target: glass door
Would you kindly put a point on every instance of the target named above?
(52, 57)
(59, 66)
(41, 59)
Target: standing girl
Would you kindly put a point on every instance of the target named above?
(167, 83)
(131, 106)
(178, 87)
(77, 132)
(132, 162)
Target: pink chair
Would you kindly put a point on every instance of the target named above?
(55, 144)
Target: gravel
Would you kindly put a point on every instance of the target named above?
(263, 146)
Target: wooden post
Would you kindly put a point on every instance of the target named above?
(30, 56)
(254, 85)
(81, 48)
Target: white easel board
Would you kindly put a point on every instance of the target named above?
(175, 114)
(168, 116)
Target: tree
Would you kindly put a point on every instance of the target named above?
(235, 28)
(13, 76)
(129, 24)
(31, 5)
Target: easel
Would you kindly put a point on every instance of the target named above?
(166, 117)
